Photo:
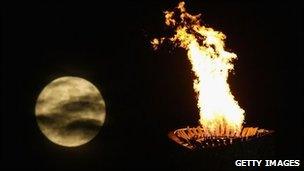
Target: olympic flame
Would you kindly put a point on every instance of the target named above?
(219, 112)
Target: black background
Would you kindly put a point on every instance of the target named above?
(147, 93)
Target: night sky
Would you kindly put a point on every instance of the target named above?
(147, 93)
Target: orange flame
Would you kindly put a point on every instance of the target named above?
(211, 63)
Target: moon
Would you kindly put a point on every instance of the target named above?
(70, 111)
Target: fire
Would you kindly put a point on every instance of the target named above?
(219, 112)
(155, 42)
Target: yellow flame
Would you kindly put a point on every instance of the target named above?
(220, 113)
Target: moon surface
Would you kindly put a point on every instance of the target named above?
(70, 111)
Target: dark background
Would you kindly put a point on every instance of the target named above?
(147, 93)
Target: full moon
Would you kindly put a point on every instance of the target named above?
(70, 111)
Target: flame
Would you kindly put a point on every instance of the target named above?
(219, 112)
(155, 42)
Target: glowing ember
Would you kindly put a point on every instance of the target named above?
(220, 113)
(155, 42)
